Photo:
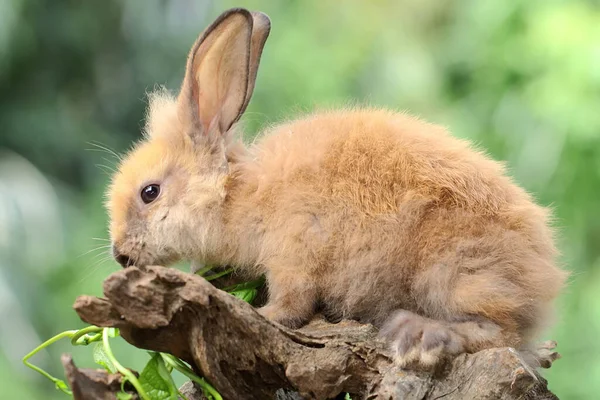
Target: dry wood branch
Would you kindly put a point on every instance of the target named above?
(93, 384)
(247, 357)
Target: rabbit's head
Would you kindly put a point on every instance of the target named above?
(164, 201)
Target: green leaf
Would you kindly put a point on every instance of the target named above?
(102, 359)
(248, 295)
(156, 380)
(246, 291)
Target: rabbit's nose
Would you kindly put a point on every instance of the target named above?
(122, 259)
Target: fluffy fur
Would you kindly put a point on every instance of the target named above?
(361, 213)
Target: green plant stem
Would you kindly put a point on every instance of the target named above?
(82, 332)
(255, 284)
(60, 384)
(181, 395)
(220, 274)
(124, 371)
(204, 270)
(185, 370)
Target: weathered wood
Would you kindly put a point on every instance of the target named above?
(245, 356)
(93, 384)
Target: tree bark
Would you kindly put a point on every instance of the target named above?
(245, 356)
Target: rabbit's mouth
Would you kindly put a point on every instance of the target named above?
(124, 259)
(128, 261)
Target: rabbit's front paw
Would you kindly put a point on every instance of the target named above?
(421, 341)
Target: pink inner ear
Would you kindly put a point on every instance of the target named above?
(209, 123)
(203, 119)
(210, 104)
(213, 125)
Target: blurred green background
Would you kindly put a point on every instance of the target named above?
(520, 78)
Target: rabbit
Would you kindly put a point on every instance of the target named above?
(360, 213)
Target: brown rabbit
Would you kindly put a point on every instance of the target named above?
(364, 213)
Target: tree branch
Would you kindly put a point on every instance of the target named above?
(245, 356)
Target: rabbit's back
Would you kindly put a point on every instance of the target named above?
(372, 159)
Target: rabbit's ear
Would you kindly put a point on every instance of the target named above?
(221, 72)
(261, 26)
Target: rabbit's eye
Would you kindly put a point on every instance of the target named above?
(150, 193)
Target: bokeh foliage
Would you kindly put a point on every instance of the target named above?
(520, 78)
